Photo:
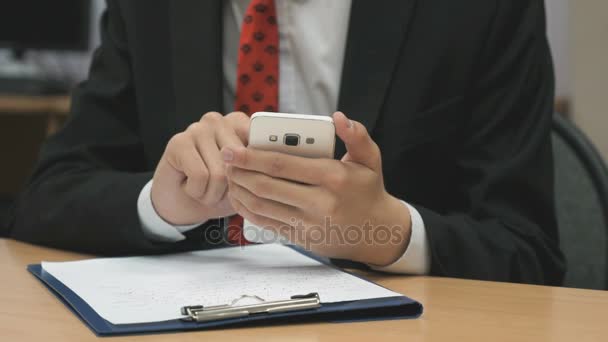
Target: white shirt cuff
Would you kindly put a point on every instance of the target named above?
(153, 225)
(416, 260)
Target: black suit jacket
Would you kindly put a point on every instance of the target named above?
(457, 94)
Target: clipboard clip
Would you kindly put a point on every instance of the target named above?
(200, 313)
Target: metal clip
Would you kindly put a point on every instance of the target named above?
(199, 313)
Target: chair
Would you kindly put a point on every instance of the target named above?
(581, 199)
(5, 208)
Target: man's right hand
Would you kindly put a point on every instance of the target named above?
(190, 180)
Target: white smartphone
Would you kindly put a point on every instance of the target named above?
(304, 135)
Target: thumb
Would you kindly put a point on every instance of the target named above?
(360, 147)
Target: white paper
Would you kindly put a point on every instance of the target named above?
(154, 288)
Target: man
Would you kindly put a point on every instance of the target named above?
(456, 97)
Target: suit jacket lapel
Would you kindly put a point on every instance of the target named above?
(196, 35)
(376, 33)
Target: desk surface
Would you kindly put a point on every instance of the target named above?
(455, 310)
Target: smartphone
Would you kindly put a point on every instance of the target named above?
(304, 135)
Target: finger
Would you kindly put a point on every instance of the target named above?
(360, 146)
(279, 165)
(216, 183)
(264, 207)
(263, 222)
(226, 136)
(239, 123)
(225, 195)
(279, 190)
(185, 158)
(219, 127)
(234, 131)
(166, 172)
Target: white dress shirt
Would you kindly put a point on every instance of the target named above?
(312, 41)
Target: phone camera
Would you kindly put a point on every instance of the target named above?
(291, 139)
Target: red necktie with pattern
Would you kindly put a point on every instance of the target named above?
(257, 75)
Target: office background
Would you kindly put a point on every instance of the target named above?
(65, 65)
(577, 31)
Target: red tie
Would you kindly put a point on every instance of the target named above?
(257, 86)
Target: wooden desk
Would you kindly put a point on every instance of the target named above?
(455, 310)
(35, 104)
(55, 108)
(25, 121)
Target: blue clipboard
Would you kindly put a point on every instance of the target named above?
(400, 307)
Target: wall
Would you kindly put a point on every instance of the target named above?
(578, 34)
(589, 51)
(559, 38)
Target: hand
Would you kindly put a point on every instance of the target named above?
(190, 180)
(300, 197)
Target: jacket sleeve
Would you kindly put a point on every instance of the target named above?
(505, 229)
(83, 193)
